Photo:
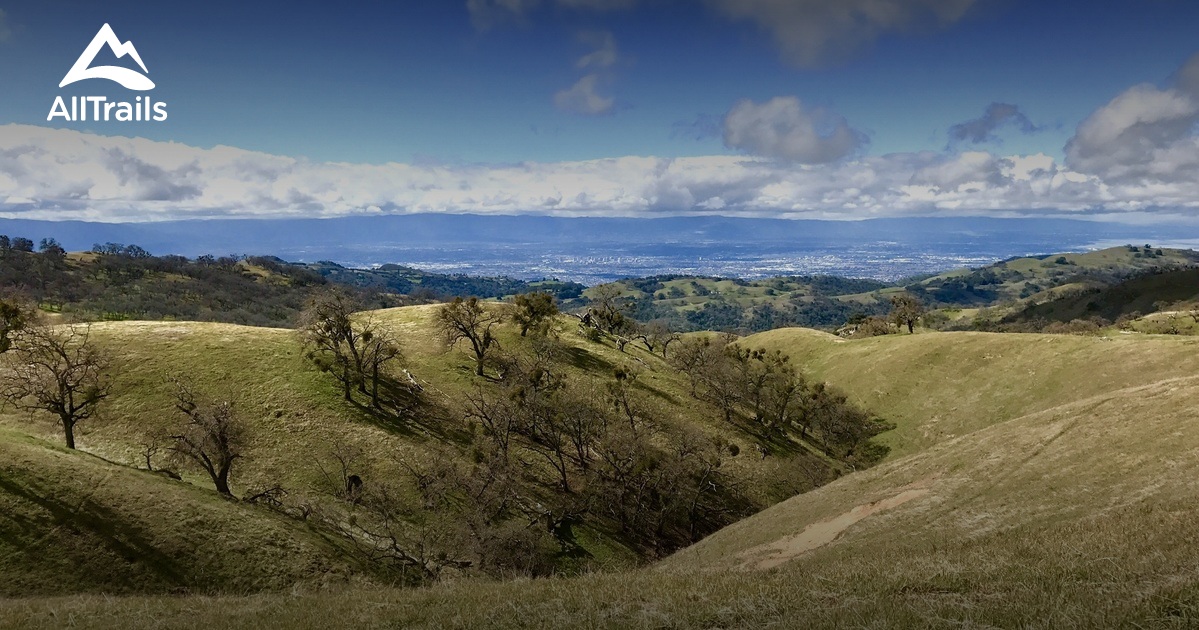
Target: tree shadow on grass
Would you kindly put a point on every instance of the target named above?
(101, 524)
(410, 414)
(588, 361)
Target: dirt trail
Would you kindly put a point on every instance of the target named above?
(819, 534)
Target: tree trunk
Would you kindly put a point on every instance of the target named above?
(68, 429)
(911, 326)
(221, 481)
(375, 385)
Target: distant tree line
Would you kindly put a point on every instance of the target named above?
(115, 281)
(441, 287)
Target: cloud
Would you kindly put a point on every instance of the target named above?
(582, 98)
(815, 32)
(983, 128)
(1144, 134)
(784, 129)
(5, 29)
(65, 174)
(604, 55)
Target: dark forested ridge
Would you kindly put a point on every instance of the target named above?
(115, 281)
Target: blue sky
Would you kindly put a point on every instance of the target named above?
(463, 83)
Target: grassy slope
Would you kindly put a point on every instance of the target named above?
(1141, 294)
(1071, 506)
(73, 522)
(938, 386)
(1079, 516)
(296, 415)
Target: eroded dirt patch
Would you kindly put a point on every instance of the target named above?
(819, 534)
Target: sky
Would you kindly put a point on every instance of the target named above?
(836, 109)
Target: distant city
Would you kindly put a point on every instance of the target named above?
(592, 251)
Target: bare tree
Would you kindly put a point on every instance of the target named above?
(693, 357)
(380, 349)
(352, 346)
(58, 370)
(473, 321)
(658, 335)
(211, 435)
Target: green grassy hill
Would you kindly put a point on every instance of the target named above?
(296, 419)
(296, 412)
(693, 303)
(1038, 480)
(1142, 294)
(942, 385)
(1011, 280)
(71, 522)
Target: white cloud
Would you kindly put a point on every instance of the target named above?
(1144, 134)
(64, 174)
(783, 128)
(813, 32)
(583, 98)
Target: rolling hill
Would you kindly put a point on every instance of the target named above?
(297, 424)
(1017, 289)
(1037, 480)
(1142, 294)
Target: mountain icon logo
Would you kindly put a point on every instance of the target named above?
(130, 79)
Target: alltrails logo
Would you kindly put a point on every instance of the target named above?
(99, 107)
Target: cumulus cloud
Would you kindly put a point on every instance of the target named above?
(984, 128)
(65, 174)
(584, 98)
(782, 128)
(814, 32)
(1145, 134)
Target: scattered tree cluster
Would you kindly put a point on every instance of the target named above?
(549, 454)
(355, 348)
(765, 391)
